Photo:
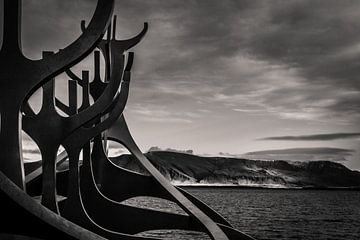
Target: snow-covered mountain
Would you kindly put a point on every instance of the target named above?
(188, 169)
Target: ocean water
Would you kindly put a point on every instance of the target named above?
(273, 213)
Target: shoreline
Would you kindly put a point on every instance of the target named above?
(267, 187)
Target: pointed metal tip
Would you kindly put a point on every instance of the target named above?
(130, 61)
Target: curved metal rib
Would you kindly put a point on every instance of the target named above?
(14, 200)
(119, 184)
(74, 208)
(73, 76)
(211, 227)
(127, 43)
(88, 40)
(104, 48)
(130, 220)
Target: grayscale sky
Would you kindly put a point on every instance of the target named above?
(273, 79)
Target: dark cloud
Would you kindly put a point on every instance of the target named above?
(315, 137)
(277, 55)
(306, 151)
(303, 154)
(321, 41)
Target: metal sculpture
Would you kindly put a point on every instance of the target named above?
(20, 76)
(118, 175)
(59, 128)
(90, 198)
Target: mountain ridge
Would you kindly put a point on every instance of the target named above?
(191, 170)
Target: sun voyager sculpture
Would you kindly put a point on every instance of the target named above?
(84, 201)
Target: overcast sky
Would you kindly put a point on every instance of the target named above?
(230, 76)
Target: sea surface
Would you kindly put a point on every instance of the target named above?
(273, 213)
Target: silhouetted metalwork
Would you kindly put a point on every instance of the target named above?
(20, 76)
(89, 193)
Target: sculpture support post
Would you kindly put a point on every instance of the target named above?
(11, 163)
(10, 133)
(48, 198)
(12, 27)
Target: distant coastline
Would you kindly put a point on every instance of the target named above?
(233, 186)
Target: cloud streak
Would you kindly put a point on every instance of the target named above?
(303, 154)
(315, 137)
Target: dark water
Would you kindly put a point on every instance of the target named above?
(275, 213)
